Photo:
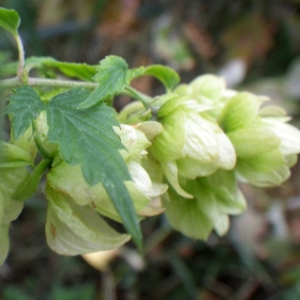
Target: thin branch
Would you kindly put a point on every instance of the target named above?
(130, 91)
(21, 57)
(60, 83)
(32, 81)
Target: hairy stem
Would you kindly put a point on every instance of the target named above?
(32, 81)
(21, 58)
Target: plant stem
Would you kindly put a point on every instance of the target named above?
(60, 83)
(37, 138)
(21, 57)
(130, 91)
(32, 81)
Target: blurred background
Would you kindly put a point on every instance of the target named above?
(255, 45)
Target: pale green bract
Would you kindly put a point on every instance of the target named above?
(211, 137)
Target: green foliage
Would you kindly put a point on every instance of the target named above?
(24, 107)
(73, 70)
(86, 137)
(112, 76)
(9, 20)
(181, 153)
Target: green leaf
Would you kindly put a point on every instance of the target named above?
(72, 229)
(29, 186)
(25, 106)
(112, 76)
(167, 76)
(87, 137)
(9, 20)
(76, 70)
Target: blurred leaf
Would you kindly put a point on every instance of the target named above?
(167, 76)
(248, 38)
(14, 293)
(9, 20)
(170, 45)
(86, 291)
(82, 71)
(183, 273)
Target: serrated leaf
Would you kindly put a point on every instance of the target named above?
(87, 137)
(9, 20)
(72, 229)
(112, 76)
(25, 106)
(82, 71)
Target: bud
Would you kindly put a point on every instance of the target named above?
(191, 143)
(266, 146)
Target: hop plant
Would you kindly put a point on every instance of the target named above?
(211, 138)
(181, 153)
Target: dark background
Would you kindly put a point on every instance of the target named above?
(255, 45)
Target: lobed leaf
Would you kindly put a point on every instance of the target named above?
(9, 20)
(86, 137)
(24, 107)
(112, 76)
